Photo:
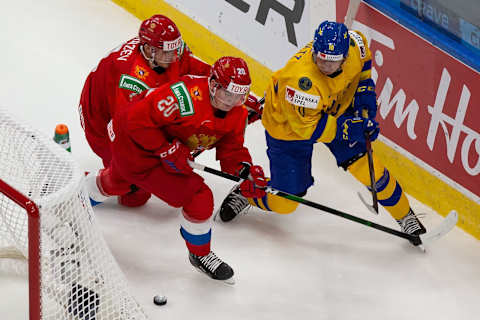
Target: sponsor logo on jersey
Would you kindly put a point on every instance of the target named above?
(185, 103)
(133, 84)
(301, 99)
(359, 41)
(305, 83)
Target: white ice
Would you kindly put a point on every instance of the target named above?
(307, 265)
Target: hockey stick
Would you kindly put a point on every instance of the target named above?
(449, 222)
(351, 12)
(373, 188)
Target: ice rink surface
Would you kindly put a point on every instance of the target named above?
(307, 265)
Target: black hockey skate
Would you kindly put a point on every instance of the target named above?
(411, 225)
(233, 205)
(212, 266)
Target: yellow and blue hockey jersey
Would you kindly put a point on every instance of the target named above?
(299, 95)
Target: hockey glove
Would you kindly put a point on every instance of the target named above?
(175, 156)
(351, 128)
(365, 98)
(255, 108)
(255, 182)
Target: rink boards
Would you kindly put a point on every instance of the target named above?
(437, 170)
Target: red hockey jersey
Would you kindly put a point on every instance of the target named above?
(180, 109)
(123, 74)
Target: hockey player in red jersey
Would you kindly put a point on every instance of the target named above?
(152, 140)
(155, 57)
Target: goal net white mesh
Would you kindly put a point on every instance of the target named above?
(79, 277)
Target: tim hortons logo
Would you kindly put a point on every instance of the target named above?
(440, 124)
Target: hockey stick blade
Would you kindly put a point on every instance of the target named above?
(445, 227)
(369, 207)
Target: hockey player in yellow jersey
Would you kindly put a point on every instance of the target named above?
(323, 94)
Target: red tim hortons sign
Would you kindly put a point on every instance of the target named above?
(428, 101)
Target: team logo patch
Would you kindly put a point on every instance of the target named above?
(133, 84)
(196, 93)
(305, 83)
(141, 73)
(201, 141)
(184, 99)
(301, 99)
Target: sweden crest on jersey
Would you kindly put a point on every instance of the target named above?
(305, 83)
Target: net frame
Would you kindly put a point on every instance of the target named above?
(33, 249)
(72, 273)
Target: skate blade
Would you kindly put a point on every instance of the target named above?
(421, 248)
(216, 215)
(230, 281)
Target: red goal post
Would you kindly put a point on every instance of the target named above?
(47, 220)
(33, 240)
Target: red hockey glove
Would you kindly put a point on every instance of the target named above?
(255, 108)
(175, 157)
(253, 187)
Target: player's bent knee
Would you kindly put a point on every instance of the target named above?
(360, 169)
(346, 165)
(135, 198)
(111, 183)
(200, 208)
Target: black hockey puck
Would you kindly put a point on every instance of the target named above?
(160, 300)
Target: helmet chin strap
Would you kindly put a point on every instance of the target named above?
(217, 112)
(212, 98)
(212, 90)
(150, 60)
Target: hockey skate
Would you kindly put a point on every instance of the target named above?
(212, 266)
(411, 225)
(233, 205)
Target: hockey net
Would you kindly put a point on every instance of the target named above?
(72, 274)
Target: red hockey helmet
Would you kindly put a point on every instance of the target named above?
(229, 82)
(160, 32)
